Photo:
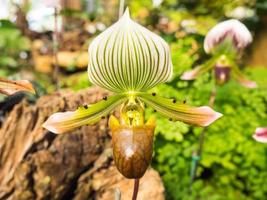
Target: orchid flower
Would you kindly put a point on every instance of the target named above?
(225, 42)
(128, 60)
(261, 134)
(9, 87)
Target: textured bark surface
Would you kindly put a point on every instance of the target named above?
(37, 164)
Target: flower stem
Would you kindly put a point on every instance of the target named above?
(121, 8)
(196, 156)
(55, 48)
(136, 188)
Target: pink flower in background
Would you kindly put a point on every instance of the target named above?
(230, 29)
(260, 134)
(224, 41)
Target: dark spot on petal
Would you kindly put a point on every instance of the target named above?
(155, 110)
(85, 107)
(174, 101)
(153, 94)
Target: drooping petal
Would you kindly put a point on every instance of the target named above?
(128, 57)
(192, 74)
(233, 29)
(87, 115)
(10, 87)
(238, 75)
(261, 134)
(201, 116)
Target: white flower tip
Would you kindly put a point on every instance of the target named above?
(252, 85)
(58, 122)
(213, 115)
(126, 12)
(50, 128)
(260, 134)
(126, 15)
(249, 84)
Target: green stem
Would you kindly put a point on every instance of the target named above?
(55, 49)
(121, 9)
(197, 154)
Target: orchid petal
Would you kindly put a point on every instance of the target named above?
(128, 57)
(201, 116)
(233, 29)
(87, 115)
(238, 75)
(261, 134)
(10, 87)
(192, 74)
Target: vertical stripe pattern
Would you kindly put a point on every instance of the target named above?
(128, 57)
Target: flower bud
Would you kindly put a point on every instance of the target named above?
(232, 29)
(128, 57)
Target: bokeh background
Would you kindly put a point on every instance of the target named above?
(233, 165)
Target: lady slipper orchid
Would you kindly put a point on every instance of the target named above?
(127, 59)
(9, 87)
(261, 134)
(224, 41)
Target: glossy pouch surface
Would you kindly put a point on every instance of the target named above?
(132, 148)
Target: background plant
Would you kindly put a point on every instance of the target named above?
(231, 161)
(13, 47)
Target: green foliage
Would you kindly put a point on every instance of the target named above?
(216, 8)
(233, 165)
(12, 43)
(76, 82)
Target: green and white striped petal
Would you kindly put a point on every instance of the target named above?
(63, 122)
(200, 116)
(128, 57)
